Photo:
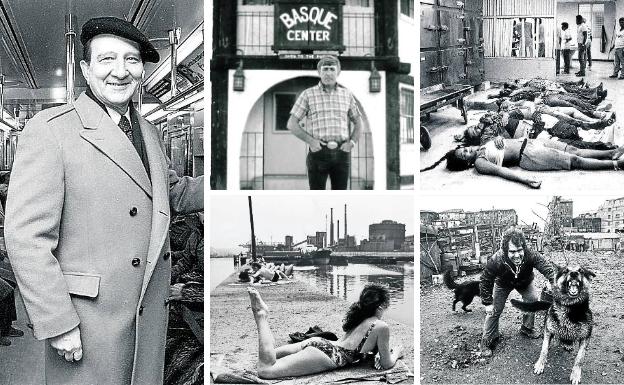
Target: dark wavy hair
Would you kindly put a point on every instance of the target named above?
(468, 140)
(529, 95)
(514, 235)
(453, 162)
(372, 296)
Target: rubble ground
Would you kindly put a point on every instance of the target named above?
(449, 342)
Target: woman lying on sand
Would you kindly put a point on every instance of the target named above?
(365, 332)
(528, 154)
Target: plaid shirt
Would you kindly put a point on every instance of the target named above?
(327, 112)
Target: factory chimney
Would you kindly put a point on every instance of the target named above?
(346, 237)
(338, 232)
(331, 227)
(325, 237)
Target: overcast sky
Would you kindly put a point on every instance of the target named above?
(526, 206)
(277, 216)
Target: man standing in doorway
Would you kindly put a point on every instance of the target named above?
(88, 211)
(330, 110)
(618, 44)
(582, 36)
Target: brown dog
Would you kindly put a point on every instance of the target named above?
(568, 318)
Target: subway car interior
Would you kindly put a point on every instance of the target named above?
(41, 52)
(40, 59)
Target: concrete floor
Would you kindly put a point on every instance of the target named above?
(448, 121)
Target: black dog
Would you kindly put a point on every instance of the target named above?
(568, 318)
(464, 292)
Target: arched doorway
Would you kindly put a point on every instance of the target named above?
(271, 158)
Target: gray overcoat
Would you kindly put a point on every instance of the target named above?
(87, 236)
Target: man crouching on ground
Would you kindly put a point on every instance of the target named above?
(511, 267)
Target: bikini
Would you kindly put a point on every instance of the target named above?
(339, 355)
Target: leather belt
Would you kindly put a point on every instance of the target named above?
(332, 144)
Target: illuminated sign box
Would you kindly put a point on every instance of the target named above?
(307, 26)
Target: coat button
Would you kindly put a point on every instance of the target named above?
(136, 262)
(141, 309)
(133, 211)
(167, 255)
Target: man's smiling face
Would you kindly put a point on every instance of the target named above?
(114, 71)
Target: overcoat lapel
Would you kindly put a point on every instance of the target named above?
(102, 133)
(160, 199)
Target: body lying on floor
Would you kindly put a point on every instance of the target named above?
(540, 125)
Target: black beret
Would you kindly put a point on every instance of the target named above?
(122, 28)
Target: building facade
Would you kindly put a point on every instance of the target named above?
(386, 231)
(587, 223)
(611, 213)
(492, 217)
(427, 217)
(261, 62)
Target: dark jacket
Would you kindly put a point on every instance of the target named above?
(499, 269)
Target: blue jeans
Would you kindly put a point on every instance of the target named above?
(566, 60)
(582, 57)
(618, 62)
(500, 294)
(330, 163)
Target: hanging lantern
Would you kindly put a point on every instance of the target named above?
(239, 78)
(374, 81)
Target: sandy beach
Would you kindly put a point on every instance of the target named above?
(293, 307)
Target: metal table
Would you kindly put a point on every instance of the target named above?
(433, 98)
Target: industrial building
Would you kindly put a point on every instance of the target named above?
(387, 232)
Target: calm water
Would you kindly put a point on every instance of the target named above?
(347, 282)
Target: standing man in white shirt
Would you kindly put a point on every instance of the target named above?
(558, 46)
(566, 43)
(589, 43)
(581, 38)
(618, 44)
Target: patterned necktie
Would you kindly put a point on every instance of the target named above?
(124, 124)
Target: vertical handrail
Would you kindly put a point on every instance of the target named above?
(70, 61)
(174, 40)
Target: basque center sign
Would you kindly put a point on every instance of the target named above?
(308, 25)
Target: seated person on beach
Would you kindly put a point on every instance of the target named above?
(531, 155)
(263, 273)
(244, 272)
(365, 332)
(288, 270)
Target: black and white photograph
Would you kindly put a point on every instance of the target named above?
(313, 95)
(521, 95)
(311, 289)
(521, 289)
(102, 192)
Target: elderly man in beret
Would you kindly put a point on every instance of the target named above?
(87, 220)
(330, 109)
